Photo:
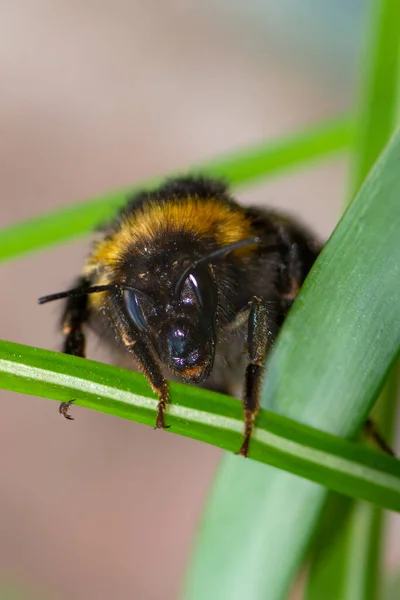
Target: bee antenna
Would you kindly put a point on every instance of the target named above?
(81, 291)
(210, 257)
(76, 292)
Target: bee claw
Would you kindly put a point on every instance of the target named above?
(163, 426)
(160, 422)
(63, 409)
(244, 450)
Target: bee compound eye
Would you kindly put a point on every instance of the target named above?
(204, 288)
(134, 308)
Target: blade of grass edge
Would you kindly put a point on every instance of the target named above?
(239, 168)
(258, 521)
(206, 416)
(347, 561)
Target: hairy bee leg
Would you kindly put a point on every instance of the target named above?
(262, 329)
(140, 350)
(373, 432)
(74, 317)
(151, 370)
(163, 399)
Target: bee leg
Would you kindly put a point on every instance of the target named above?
(262, 330)
(148, 365)
(74, 317)
(373, 433)
(151, 370)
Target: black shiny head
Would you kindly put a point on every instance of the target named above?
(180, 318)
(179, 321)
(168, 298)
(187, 340)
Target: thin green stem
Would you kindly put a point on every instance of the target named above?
(239, 168)
(332, 461)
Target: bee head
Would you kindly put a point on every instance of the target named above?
(179, 310)
(177, 315)
(169, 299)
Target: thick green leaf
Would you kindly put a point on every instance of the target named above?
(206, 416)
(331, 359)
(347, 564)
(347, 556)
(242, 167)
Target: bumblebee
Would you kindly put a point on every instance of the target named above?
(187, 282)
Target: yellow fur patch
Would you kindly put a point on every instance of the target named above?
(204, 218)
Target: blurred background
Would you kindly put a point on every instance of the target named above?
(99, 95)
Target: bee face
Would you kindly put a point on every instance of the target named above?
(176, 312)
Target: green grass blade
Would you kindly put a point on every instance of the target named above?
(361, 554)
(239, 168)
(353, 575)
(362, 571)
(347, 556)
(325, 576)
(378, 99)
(330, 361)
(206, 416)
(347, 564)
